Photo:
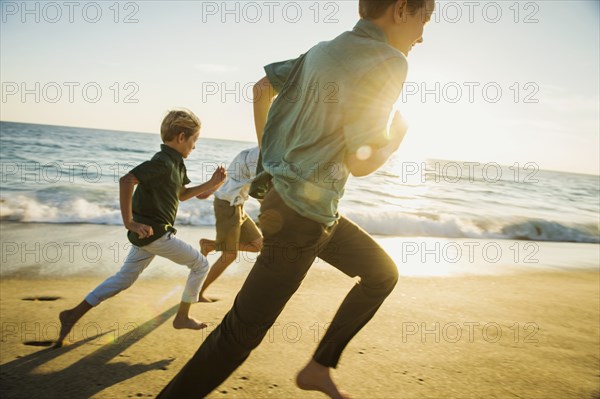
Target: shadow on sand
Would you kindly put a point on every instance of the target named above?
(84, 378)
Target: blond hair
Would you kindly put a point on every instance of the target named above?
(179, 121)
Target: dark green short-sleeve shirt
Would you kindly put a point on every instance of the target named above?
(334, 100)
(156, 198)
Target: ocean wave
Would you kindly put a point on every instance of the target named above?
(21, 208)
(544, 230)
(430, 225)
(384, 222)
(78, 210)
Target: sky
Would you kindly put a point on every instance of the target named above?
(512, 82)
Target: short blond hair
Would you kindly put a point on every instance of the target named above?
(179, 121)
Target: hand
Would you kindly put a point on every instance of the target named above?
(216, 181)
(142, 230)
(218, 178)
(398, 129)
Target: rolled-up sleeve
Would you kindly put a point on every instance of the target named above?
(369, 103)
(278, 73)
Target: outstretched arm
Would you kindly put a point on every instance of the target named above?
(207, 189)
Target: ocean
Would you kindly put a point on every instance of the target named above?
(54, 174)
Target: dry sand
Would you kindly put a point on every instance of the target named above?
(531, 334)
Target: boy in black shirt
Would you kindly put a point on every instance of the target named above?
(149, 217)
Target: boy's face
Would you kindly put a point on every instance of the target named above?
(187, 144)
(411, 29)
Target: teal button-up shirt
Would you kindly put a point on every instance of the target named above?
(333, 100)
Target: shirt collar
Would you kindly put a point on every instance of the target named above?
(364, 27)
(172, 153)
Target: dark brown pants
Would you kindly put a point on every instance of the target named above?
(291, 244)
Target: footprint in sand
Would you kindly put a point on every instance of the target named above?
(41, 298)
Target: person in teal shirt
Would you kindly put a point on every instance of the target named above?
(329, 120)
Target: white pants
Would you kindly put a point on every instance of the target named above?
(138, 258)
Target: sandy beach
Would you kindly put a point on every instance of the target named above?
(507, 331)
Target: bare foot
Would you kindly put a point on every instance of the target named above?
(67, 321)
(202, 298)
(188, 323)
(315, 377)
(205, 246)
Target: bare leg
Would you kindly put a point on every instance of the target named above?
(183, 320)
(316, 377)
(207, 246)
(215, 271)
(68, 318)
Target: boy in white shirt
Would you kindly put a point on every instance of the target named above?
(235, 230)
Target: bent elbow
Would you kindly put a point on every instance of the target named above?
(359, 172)
(261, 88)
(356, 167)
(128, 179)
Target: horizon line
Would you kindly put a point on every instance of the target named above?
(244, 141)
(114, 130)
